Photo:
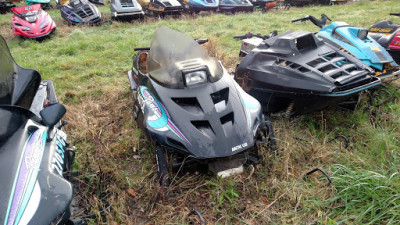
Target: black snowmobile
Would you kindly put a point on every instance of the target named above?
(300, 73)
(191, 108)
(5, 6)
(387, 34)
(234, 6)
(386, 27)
(80, 11)
(161, 8)
(126, 10)
(34, 153)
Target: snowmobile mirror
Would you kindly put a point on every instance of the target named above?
(323, 15)
(362, 34)
(52, 114)
(201, 41)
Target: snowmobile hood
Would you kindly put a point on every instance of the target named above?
(167, 63)
(32, 192)
(170, 3)
(17, 85)
(123, 6)
(208, 121)
(299, 62)
(235, 2)
(366, 49)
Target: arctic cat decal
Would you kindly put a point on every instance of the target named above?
(161, 121)
(58, 157)
(238, 147)
(25, 182)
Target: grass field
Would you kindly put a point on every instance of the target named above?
(117, 178)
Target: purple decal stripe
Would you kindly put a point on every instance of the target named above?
(29, 167)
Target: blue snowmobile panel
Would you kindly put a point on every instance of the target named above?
(358, 44)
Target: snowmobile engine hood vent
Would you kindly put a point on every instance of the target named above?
(189, 104)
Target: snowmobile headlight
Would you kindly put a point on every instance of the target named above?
(31, 19)
(362, 34)
(195, 77)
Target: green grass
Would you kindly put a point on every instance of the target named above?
(88, 66)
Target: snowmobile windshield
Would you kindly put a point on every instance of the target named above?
(18, 86)
(172, 54)
(29, 13)
(75, 3)
(7, 70)
(12, 118)
(30, 16)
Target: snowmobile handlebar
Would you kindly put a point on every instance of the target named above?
(301, 19)
(395, 14)
(200, 41)
(141, 49)
(319, 23)
(250, 35)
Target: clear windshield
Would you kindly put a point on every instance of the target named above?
(171, 52)
(18, 86)
(7, 70)
(30, 16)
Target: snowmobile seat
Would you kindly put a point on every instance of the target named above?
(384, 40)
